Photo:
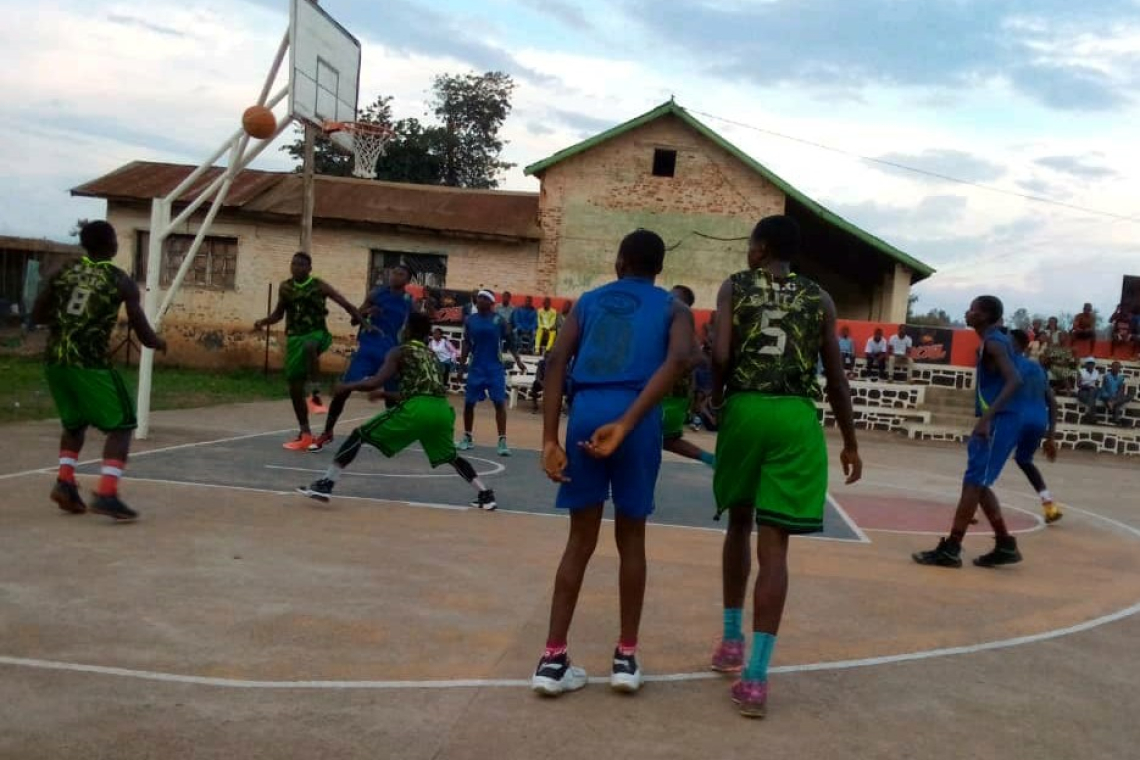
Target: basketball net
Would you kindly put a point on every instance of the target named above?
(368, 143)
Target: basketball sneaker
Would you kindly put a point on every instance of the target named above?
(626, 674)
(1052, 511)
(751, 697)
(315, 405)
(322, 440)
(66, 496)
(301, 443)
(465, 443)
(1005, 553)
(504, 450)
(728, 656)
(946, 554)
(112, 506)
(485, 500)
(318, 489)
(555, 675)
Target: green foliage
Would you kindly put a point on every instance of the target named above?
(461, 150)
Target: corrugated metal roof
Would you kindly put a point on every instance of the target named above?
(341, 199)
(37, 245)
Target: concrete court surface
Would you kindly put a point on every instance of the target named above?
(249, 622)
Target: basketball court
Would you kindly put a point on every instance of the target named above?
(239, 618)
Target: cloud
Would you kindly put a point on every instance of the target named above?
(1044, 189)
(124, 20)
(567, 13)
(947, 162)
(1077, 166)
(884, 219)
(539, 129)
(582, 122)
(822, 45)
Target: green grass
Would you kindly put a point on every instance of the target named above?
(24, 394)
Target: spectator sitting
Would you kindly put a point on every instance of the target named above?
(1115, 394)
(847, 351)
(547, 326)
(525, 323)
(1136, 328)
(1036, 341)
(505, 310)
(1084, 327)
(1050, 335)
(445, 351)
(876, 355)
(1058, 359)
(1088, 388)
(898, 350)
(1121, 327)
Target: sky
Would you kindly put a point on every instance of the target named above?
(1029, 97)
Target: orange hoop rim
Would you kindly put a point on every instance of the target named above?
(358, 128)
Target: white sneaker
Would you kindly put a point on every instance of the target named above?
(555, 675)
(626, 675)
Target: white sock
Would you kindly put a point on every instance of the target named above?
(1046, 496)
(480, 485)
(334, 472)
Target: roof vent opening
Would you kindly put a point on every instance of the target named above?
(664, 162)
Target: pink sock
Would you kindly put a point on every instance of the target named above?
(554, 648)
(627, 648)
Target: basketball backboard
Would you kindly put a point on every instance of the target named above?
(324, 73)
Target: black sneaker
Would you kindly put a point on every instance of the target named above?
(555, 675)
(626, 675)
(112, 506)
(66, 496)
(946, 554)
(485, 500)
(318, 489)
(1005, 553)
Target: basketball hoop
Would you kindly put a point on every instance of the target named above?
(366, 141)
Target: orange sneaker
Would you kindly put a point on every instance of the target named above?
(315, 405)
(301, 443)
(320, 441)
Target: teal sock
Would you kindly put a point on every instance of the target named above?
(762, 646)
(709, 459)
(733, 618)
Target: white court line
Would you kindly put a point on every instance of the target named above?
(163, 449)
(811, 667)
(424, 504)
(847, 519)
(496, 468)
(1038, 522)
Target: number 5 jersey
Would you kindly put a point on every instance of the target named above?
(776, 327)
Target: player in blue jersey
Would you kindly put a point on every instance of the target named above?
(385, 311)
(484, 335)
(994, 438)
(630, 341)
(1038, 422)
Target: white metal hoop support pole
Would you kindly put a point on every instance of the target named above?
(161, 225)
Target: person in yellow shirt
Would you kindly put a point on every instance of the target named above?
(547, 327)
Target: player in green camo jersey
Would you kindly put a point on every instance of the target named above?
(771, 454)
(81, 305)
(422, 414)
(301, 303)
(675, 407)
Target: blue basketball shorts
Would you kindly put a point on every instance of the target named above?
(629, 476)
(486, 383)
(1028, 441)
(985, 457)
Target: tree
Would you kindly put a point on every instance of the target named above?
(471, 109)
(79, 225)
(1020, 319)
(462, 150)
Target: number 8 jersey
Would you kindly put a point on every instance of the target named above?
(776, 328)
(85, 301)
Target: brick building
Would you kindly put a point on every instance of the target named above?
(664, 170)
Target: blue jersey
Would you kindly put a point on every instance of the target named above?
(989, 381)
(484, 335)
(624, 334)
(389, 313)
(525, 319)
(1030, 400)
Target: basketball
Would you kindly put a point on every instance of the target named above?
(259, 122)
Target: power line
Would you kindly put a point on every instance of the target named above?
(925, 172)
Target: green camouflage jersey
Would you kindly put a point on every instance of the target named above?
(776, 329)
(305, 309)
(85, 301)
(420, 372)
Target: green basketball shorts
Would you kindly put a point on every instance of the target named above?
(296, 367)
(771, 455)
(675, 410)
(428, 420)
(91, 397)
